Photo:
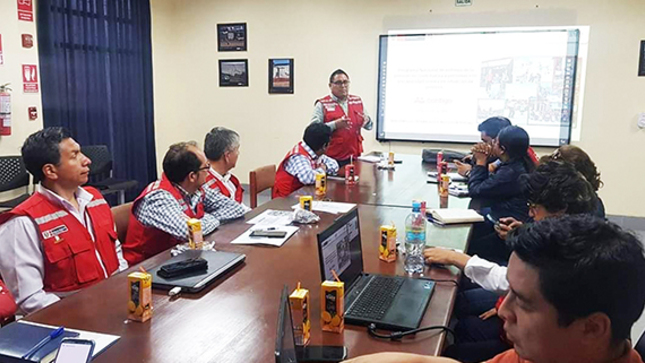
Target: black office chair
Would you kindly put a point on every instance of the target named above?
(640, 345)
(101, 172)
(13, 175)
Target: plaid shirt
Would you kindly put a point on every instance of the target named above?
(300, 167)
(160, 210)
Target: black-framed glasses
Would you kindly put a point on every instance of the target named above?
(202, 168)
(556, 155)
(341, 83)
(531, 205)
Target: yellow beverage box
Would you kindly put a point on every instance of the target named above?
(140, 292)
(390, 158)
(301, 314)
(332, 294)
(387, 246)
(306, 202)
(321, 184)
(195, 237)
(444, 187)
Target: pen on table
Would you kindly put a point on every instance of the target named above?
(53, 335)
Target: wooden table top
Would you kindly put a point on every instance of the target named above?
(398, 187)
(234, 320)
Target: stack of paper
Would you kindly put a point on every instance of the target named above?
(458, 190)
(329, 207)
(453, 216)
(273, 217)
(369, 158)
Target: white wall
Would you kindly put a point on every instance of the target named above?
(323, 36)
(11, 72)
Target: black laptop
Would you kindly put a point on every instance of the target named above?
(390, 302)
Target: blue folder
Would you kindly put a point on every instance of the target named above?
(17, 338)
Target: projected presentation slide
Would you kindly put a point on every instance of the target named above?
(439, 87)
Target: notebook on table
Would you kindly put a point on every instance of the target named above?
(454, 216)
(17, 338)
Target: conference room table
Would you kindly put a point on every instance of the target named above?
(399, 187)
(234, 319)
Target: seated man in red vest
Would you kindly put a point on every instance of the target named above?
(222, 148)
(304, 161)
(7, 305)
(62, 238)
(159, 214)
(576, 289)
(344, 114)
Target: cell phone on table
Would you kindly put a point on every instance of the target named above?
(268, 234)
(321, 353)
(74, 350)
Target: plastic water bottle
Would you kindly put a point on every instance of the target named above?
(415, 239)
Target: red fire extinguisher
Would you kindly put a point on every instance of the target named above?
(5, 110)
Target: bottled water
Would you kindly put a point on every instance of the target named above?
(415, 239)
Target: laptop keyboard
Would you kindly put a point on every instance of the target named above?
(376, 298)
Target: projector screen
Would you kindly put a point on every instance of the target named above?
(439, 87)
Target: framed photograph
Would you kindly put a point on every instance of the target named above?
(641, 60)
(281, 75)
(231, 37)
(233, 73)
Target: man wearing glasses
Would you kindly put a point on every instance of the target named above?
(345, 116)
(158, 216)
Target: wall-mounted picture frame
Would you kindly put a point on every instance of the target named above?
(231, 37)
(233, 73)
(641, 60)
(281, 75)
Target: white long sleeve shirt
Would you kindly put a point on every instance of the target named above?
(489, 275)
(22, 259)
(226, 180)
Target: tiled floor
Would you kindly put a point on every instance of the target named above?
(628, 223)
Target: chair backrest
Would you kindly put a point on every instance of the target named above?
(121, 215)
(640, 345)
(101, 166)
(13, 174)
(261, 179)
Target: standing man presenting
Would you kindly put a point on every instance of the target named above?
(344, 114)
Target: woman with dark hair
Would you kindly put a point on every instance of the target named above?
(500, 193)
(583, 164)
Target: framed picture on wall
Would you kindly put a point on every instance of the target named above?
(281, 75)
(231, 37)
(233, 73)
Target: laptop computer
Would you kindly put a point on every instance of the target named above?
(390, 302)
(286, 350)
(219, 263)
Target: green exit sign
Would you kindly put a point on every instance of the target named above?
(463, 2)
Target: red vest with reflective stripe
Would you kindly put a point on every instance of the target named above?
(213, 182)
(286, 183)
(7, 304)
(70, 254)
(344, 142)
(533, 156)
(143, 242)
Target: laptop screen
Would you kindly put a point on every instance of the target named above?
(339, 249)
(285, 346)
